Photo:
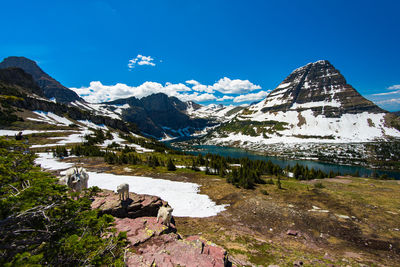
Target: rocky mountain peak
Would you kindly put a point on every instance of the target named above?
(19, 80)
(318, 86)
(24, 63)
(50, 87)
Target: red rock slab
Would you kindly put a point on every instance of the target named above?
(170, 250)
(142, 229)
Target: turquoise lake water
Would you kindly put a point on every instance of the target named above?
(325, 167)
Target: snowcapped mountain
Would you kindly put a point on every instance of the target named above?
(156, 115)
(313, 104)
(164, 117)
(218, 113)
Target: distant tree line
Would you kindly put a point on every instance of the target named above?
(241, 172)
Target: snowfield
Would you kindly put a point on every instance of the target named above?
(25, 132)
(47, 161)
(183, 197)
(349, 128)
(50, 118)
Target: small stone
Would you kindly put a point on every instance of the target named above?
(298, 263)
(328, 257)
(292, 232)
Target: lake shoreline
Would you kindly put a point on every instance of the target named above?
(326, 166)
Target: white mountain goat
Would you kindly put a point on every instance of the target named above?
(165, 213)
(123, 191)
(76, 179)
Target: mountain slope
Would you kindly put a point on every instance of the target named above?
(50, 87)
(320, 87)
(313, 104)
(20, 93)
(157, 115)
(218, 113)
(19, 81)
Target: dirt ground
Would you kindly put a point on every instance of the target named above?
(346, 222)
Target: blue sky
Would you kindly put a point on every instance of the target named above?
(233, 48)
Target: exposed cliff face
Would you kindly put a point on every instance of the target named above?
(50, 87)
(320, 87)
(19, 80)
(159, 115)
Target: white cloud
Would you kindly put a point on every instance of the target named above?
(388, 93)
(192, 90)
(141, 60)
(394, 87)
(196, 97)
(225, 86)
(228, 86)
(192, 82)
(392, 104)
(389, 101)
(251, 97)
(196, 86)
(225, 97)
(97, 92)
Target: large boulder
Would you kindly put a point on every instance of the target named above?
(151, 242)
(134, 207)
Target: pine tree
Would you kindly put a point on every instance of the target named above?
(194, 166)
(170, 165)
(278, 183)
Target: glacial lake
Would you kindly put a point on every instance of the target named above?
(325, 167)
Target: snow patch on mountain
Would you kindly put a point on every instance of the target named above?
(219, 113)
(112, 111)
(50, 118)
(90, 124)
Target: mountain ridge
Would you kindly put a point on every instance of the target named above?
(20, 91)
(159, 115)
(51, 87)
(314, 103)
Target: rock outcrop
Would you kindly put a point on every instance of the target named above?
(18, 81)
(152, 243)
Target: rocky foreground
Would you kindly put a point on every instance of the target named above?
(152, 243)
